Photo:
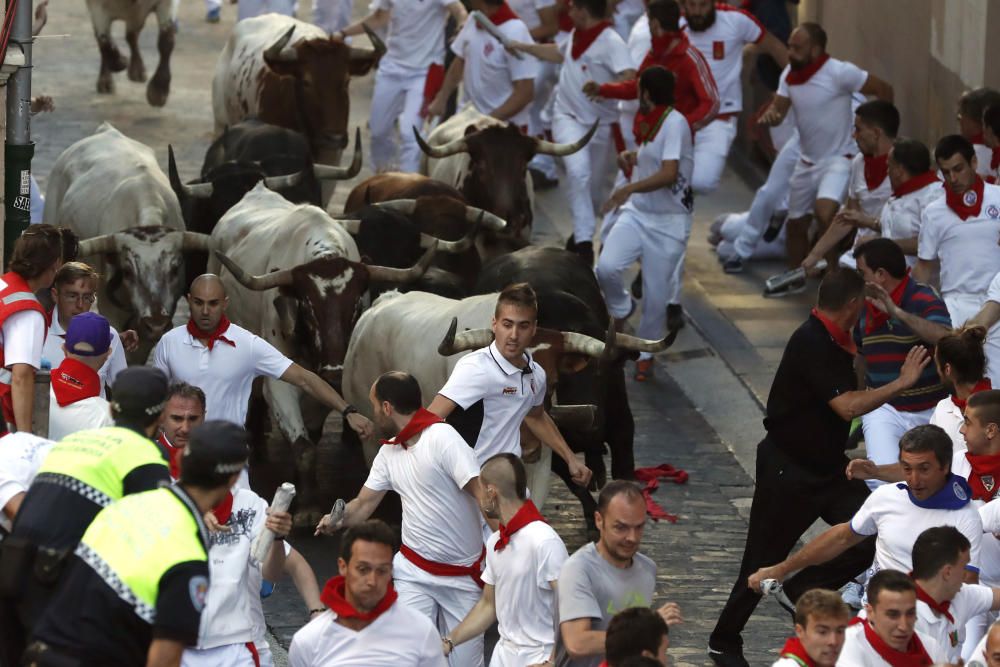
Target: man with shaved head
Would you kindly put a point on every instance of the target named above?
(223, 359)
(523, 560)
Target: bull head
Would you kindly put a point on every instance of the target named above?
(477, 217)
(542, 147)
(473, 339)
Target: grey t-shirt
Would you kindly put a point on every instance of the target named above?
(590, 587)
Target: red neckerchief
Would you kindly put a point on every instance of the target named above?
(224, 509)
(420, 420)
(565, 22)
(984, 467)
(503, 14)
(978, 139)
(876, 169)
(646, 125)
(217, 335)
(875, 318)
(74, 381)
(584, 37)
(968, 203)
(173, 455)
(797, 77)
(651, 477)
(940, 607)
(839, 336)
(982, 385)
(916, 183)
(794, 649)
(527, 514)
(914, 656)
(333, 597)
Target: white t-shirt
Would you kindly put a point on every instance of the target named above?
(21, 337)
(527, 10)
(971, 601)
(871, 201)
(823, 109)
(857, 652)
(889, 513)
(989, 572)
(89, 413)
(507, 394)
(54, 353)
(416, 32)
(441, 522)
(399, 637)
(984, 156)
(603, 61)
(672, 142)
(225, 373)
(522, 574)
(21, 454)
(967, 249)
(490, 70)
(722, 45)
(900, 217)
(948, 416)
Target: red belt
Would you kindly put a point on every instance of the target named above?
(473, 571)
(253, 652)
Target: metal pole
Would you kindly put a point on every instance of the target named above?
(19, 148)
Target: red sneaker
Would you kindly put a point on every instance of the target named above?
(643, 370)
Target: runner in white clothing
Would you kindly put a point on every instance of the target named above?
(523, 561)
(366, 626)
(821, 618)
(961, 363)
(971, 106)
(720, 32)
(434, 471)
(414, 60)
(594, 52)
(20, 456)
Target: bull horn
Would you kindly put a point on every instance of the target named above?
(329, 172)
(282, 278)
(451, 148)
(472, 339)
(282, 182)
(574, 416)
(196, 191)
(98, 245)
(552, 148)
(579, 343)
(365, 54)
(454, 247)
(627, 342)
(404, 206)
(388, 274)
(194, 241)
(493, 222)
(280, 51)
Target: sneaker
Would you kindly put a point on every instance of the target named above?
(733, 265)
(675, 317)
(643, 370)
(851, 594)
(773, 228)
(540, 181)
(724, 659)
(213, 15)
(792, 288)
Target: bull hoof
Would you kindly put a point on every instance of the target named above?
(137, 71)
(157, 95)
(116, 62)
(105, 85)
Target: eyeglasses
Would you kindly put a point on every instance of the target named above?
(73, 297)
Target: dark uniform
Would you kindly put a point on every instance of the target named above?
(800, 476)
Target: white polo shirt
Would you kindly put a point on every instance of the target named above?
(603, 61)
(857, 652)
(823, 109)
(21, 454)
(441, 522)
(522, 574)
(507, 395)
(400, 636)
(225, 373)
(967, 249)
(971, 601)
(722, 45)
(889, 513)
(83, 415)
(54, 353)
(527, 10)
(673, 141)
(900, 217)
(416, 32)
(490, 70)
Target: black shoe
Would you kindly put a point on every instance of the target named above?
(637, 285)
(733, 265)
(773, 229)
(675, 317)
(540, 181)
(586, 252)
(726, 659)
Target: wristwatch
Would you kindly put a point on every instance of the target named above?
(349, 410)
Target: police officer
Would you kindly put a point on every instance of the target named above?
(135, 588)
(83, 473)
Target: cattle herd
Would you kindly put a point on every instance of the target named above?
(404, 278)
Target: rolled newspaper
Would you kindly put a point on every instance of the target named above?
(778, 282)
(337, 513)
(282, 499)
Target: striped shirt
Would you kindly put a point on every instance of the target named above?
(885, 349)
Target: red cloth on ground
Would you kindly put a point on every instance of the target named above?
(651, 477)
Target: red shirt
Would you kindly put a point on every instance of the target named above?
(695, 94)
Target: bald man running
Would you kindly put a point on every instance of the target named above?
(223, 359)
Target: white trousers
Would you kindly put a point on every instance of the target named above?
(446, 606)
(586, 172)
(658, 242)
(230, 655)
(711, 149)
(247, 9)
(507, 654)
(731, 230)
(541, 119)
(826, 179)
(768, 198)
(332, 15)
(884, 427)
(398, 95)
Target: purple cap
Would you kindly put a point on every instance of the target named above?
(88, 335)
